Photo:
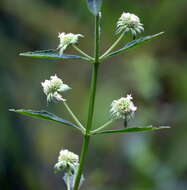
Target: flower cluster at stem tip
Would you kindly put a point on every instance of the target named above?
(67, 161)
(53, 87)
(123, 108)
(129, 22)
(66, 40)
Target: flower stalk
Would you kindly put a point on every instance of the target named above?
(74, 117)
(68, 182)
(103, 126)
(83, 53)
(125, 122)
(113, 46)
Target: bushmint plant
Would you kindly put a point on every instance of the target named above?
(123, 108)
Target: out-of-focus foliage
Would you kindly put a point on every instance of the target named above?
(156, 75)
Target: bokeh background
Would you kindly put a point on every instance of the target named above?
(155, 74)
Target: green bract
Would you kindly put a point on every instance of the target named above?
(133, 44)
(131, 130)
(45, 115)
(50, 54)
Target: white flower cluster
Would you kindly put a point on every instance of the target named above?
(67, 161)
(123, 108)
(129, 22)
(53, 87)
(66, 40)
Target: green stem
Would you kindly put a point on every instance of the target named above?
(73, 116)
(103, 126)
(92, 97)
(113, 46)
(97, 38)
(94, 75)
(125, 122)
(82, 161)
(91, 104)
(83, 53)
(68, 182)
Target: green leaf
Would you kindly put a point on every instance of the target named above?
(50, 54)
(94, 6)
(45, 115)
(135, 43)
(132, 130)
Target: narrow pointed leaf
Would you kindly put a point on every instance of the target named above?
(94, 6)
(45, 115)
(50, 54)
(135, 43)
(132, 130)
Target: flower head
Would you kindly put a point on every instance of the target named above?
(67, 160)
(129, 22)
(67, 156)
(123, 108)
(53, 87)
(66, 40)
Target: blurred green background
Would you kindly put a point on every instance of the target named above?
(155, 74)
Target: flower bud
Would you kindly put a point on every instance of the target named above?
(53, 87)
(66, 40)
(67, 156)
(123, 108)
(129, 22)
(67, 161)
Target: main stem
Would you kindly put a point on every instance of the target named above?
(91, 104)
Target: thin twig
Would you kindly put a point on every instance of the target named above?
(83, 53)
(103, 126)
(112, 47)
(73, 116)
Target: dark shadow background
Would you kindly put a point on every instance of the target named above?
(155, 74)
